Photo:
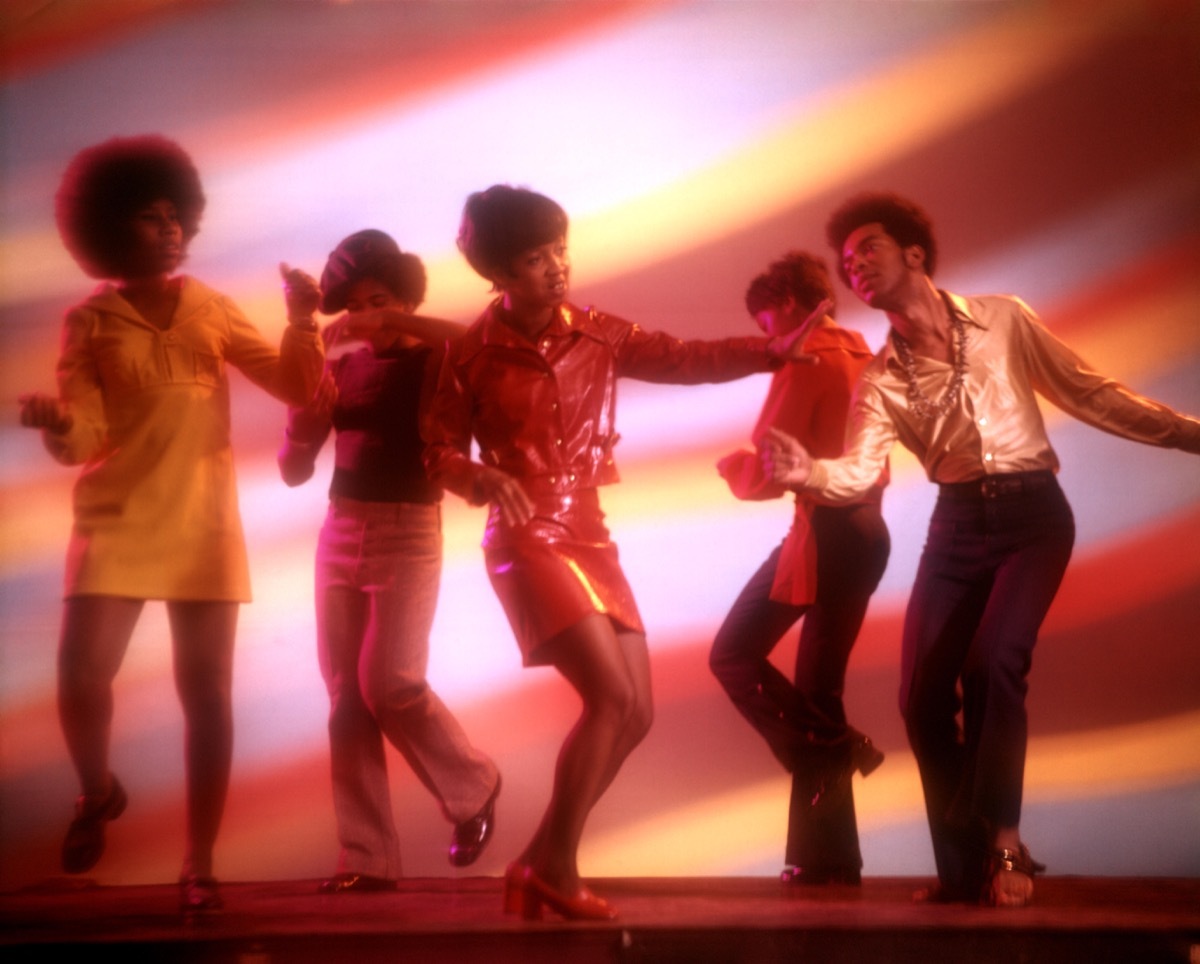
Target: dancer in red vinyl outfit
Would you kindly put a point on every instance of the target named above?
(533, 383)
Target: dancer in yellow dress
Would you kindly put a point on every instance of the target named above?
(143, 406)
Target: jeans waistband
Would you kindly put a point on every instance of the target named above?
(997, 486)
(385, 511)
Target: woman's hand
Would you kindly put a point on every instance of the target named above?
(790, 347)
(302, 294)
(393, 321)
(507, 494)
(313, 419)
(784, 459)
(45, 412)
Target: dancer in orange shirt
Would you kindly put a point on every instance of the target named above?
(824, 571)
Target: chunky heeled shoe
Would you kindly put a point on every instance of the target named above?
(514, 888)
(198, 894)
(527, 894)
(472, 835)
(863, 756)
(1005, 861)
(84, 843)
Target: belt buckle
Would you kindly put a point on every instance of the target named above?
(993, 487)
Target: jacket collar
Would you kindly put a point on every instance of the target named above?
(836, 338)
(567, 320)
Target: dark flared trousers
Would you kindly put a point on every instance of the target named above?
(993, 561)
(803, 722)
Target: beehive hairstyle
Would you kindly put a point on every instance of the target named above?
(371, 254)
(501, 222)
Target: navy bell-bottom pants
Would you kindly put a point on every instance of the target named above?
(804, 722)
(993, 561)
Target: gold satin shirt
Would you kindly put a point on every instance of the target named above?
(996, 426)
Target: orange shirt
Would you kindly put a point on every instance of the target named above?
(811, 403)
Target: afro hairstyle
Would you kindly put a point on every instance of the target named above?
(797, 275)
(904, 221)
(105, 185)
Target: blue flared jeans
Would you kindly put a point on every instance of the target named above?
(377, 575)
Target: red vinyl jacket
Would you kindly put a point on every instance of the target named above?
(544, 411)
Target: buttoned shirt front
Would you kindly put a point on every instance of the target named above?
(995, 427)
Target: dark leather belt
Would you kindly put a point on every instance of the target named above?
(998, 486)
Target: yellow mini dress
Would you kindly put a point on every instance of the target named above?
(155, 507)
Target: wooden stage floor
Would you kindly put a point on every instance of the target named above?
(750, 920)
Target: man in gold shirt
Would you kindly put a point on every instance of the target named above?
(955, 384)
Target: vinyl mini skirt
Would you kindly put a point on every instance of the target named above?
(556, 570)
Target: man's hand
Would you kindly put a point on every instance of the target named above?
(784, 459)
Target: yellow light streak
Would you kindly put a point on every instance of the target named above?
(750, 823)
(854, 130)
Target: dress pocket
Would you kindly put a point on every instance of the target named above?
(208, 368)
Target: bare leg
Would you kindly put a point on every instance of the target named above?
(95, 635)
(611, 673)
(203, 634)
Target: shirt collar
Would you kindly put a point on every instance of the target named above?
(567, 319)
(956, 303)
(193, 295)
(961, 307)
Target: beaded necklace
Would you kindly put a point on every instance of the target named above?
(918, 402)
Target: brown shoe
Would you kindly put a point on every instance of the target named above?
(84, 843)
(1010, 877)
(199, 894)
